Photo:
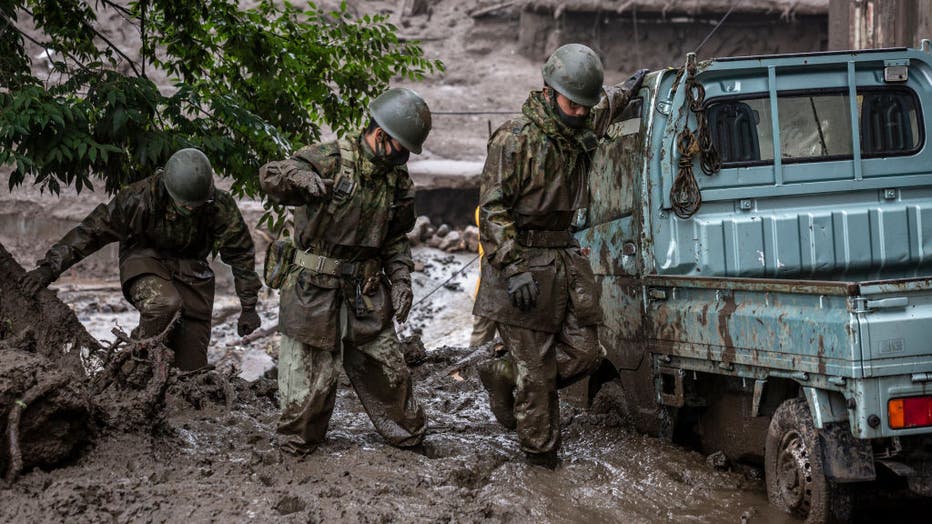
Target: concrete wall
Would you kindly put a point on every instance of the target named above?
(630, 41)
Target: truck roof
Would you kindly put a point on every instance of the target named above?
(811, 54)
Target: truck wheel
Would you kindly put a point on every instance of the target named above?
(793, 467)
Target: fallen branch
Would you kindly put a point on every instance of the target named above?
(16, 451)
(108, 375)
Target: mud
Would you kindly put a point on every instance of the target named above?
(216, 463)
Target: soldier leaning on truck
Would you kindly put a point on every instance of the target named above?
(351, 273)
(166, 225)
(535, 283)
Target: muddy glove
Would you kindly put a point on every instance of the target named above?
(249, 321)
(402, 296)
(523, 291)
(36, 280)
(633, 83)
(306, 179)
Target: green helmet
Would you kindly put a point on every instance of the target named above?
(188, 177)
(404, 115)
(575, 71)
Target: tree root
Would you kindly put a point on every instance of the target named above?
(16, 452)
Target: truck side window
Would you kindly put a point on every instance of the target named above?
(816, 126)
(889, 122)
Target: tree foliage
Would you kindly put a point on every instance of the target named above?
(249, 85)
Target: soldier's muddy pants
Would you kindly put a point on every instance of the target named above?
(545, 362)
(307, 385)
(158, 299)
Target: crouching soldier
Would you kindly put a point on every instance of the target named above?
(535, 283)
(167, 225)
(351, 273)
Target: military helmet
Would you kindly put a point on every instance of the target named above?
(188, 177)
(575, 71)
(404, 115)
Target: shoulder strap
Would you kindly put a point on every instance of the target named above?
(344, 185)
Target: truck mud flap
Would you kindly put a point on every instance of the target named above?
(846, 458)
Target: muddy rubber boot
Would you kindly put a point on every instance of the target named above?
(498, 378)
(549, 460)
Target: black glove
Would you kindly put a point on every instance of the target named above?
(249, 321)
(36, 280)
(523, 291)
(402, 296)
(633, 83)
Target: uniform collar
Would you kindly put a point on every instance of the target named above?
(539, 112)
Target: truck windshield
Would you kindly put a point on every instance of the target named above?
(815, 126)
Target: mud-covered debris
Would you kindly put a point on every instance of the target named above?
(717, 460)
(414, 350)
(443, 230)
(46, 414)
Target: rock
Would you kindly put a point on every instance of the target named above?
(418, 266)
(471, 237)
(717, 460)
(434, 241)
(453, 241)
(419, 232)
(443, 230)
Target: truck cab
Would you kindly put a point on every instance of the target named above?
(761, 229)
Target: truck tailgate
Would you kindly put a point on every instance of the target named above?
(896, 326)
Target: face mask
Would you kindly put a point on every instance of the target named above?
(387, 152)
(573, 122)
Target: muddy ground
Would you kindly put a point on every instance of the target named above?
(214, 463)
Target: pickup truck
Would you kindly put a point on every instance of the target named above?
(761, 228)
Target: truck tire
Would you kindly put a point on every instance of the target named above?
(793, 468)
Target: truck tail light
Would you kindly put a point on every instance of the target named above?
(909, 412)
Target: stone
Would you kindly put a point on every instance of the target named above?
(453, 241)
(471, 237)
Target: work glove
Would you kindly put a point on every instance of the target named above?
(249, 321)
(402, 296)
(633, 83)
(36, 280)
(523, 291)
(306, 179)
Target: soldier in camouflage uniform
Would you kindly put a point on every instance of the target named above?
(167, 225)
(535, 283)
(352, 272)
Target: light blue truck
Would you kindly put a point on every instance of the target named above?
(762, 231)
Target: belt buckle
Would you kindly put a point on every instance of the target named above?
(320, 264)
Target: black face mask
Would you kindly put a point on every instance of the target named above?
(386, 151)
(573, 122)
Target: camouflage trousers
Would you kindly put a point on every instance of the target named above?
(483, 330)
(158, 299)
(307, 385)
(543, 363)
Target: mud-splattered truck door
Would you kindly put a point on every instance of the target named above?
(762, 231)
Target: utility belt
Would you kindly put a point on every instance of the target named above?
(545, 238)
(336, 267)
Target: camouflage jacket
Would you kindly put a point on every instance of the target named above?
(536, 177)
(144, 220)
(364, 217)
